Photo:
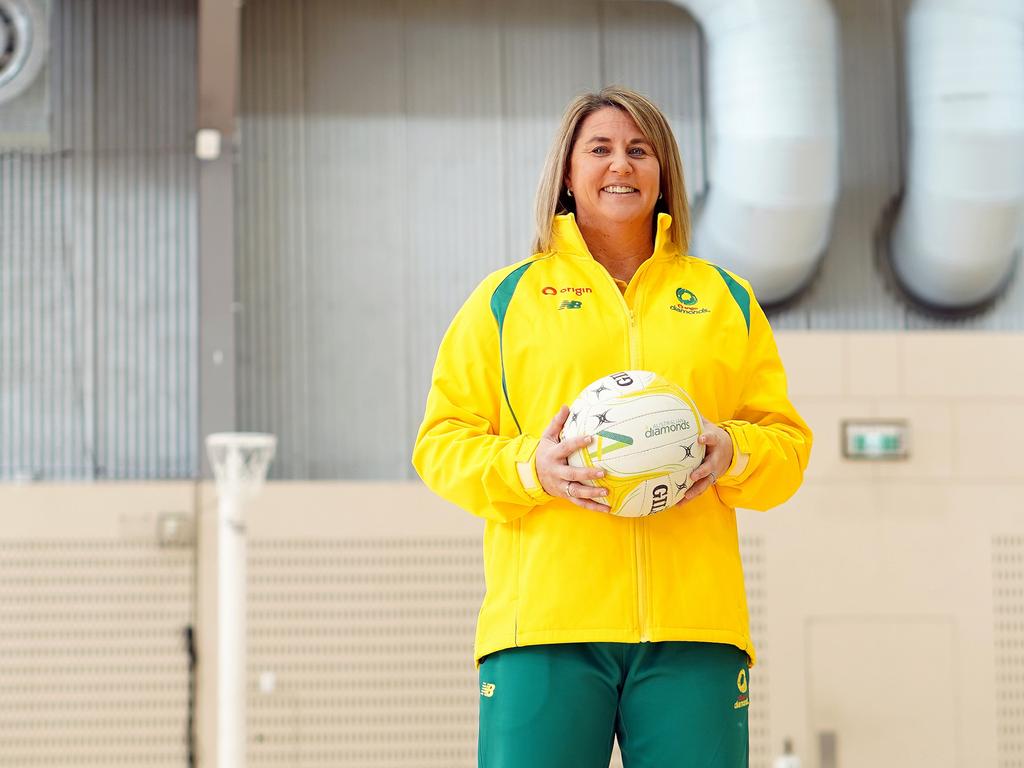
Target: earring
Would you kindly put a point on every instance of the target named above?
(568, 192)
(659, 195)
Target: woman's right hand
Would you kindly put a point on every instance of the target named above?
(557, 477)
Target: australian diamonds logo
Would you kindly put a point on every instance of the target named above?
(665, 427)
(743, 700)
(686, 303)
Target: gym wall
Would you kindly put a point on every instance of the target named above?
(378, 178)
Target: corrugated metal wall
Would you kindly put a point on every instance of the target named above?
(98, 257)
(390, 152)
(389, 156)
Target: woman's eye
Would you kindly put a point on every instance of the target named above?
(638, 151)
(600, 150)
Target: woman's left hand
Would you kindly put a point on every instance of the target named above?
(717, 459)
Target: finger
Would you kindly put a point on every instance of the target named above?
(696, 489)
(581, 474)
(586, 491)
(594, 506)
(568, 447)
(704, 470)
(708, 438)
(555, 427)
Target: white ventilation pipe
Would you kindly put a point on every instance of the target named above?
(774, 142)
(24, 45)
(959, 225)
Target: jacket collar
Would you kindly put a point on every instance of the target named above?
(567, 238)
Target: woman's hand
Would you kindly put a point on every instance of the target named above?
(557, 477)
(717, 459)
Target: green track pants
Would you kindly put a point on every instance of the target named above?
(671, 704)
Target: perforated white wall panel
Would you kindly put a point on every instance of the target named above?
(1008, 615)
(364, 647)
(93, 661)
(362, 612)
(753, 553)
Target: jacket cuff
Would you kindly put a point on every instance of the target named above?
(526, 464)
(737, 471)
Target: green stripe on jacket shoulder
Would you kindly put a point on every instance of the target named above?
(739, 294)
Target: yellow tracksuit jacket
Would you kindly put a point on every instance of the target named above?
(527, 340)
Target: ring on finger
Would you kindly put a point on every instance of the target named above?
(713, 478)
(568, 489)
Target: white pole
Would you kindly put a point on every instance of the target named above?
(231, 631)
(240, 461)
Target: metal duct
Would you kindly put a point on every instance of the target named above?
(960, 221)
(773, 104)
(26, 116)
(24, 43)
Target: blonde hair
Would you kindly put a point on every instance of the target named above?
(551, 192)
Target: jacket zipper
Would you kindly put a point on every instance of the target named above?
(639, 537)
(639, 525)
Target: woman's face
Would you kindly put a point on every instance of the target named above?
(613, 173)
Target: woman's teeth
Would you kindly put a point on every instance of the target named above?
(618, 190)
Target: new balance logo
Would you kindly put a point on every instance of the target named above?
(570, 305)
(487, 689)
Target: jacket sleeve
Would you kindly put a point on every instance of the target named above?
(459, 452)
(771, 442)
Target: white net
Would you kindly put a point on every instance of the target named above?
(240, 461)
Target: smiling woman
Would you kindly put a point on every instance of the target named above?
(646, 136)
(595, 625)
(615, 180)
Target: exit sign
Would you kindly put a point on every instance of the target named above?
(875, 440)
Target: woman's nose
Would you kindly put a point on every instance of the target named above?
(621, 164)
